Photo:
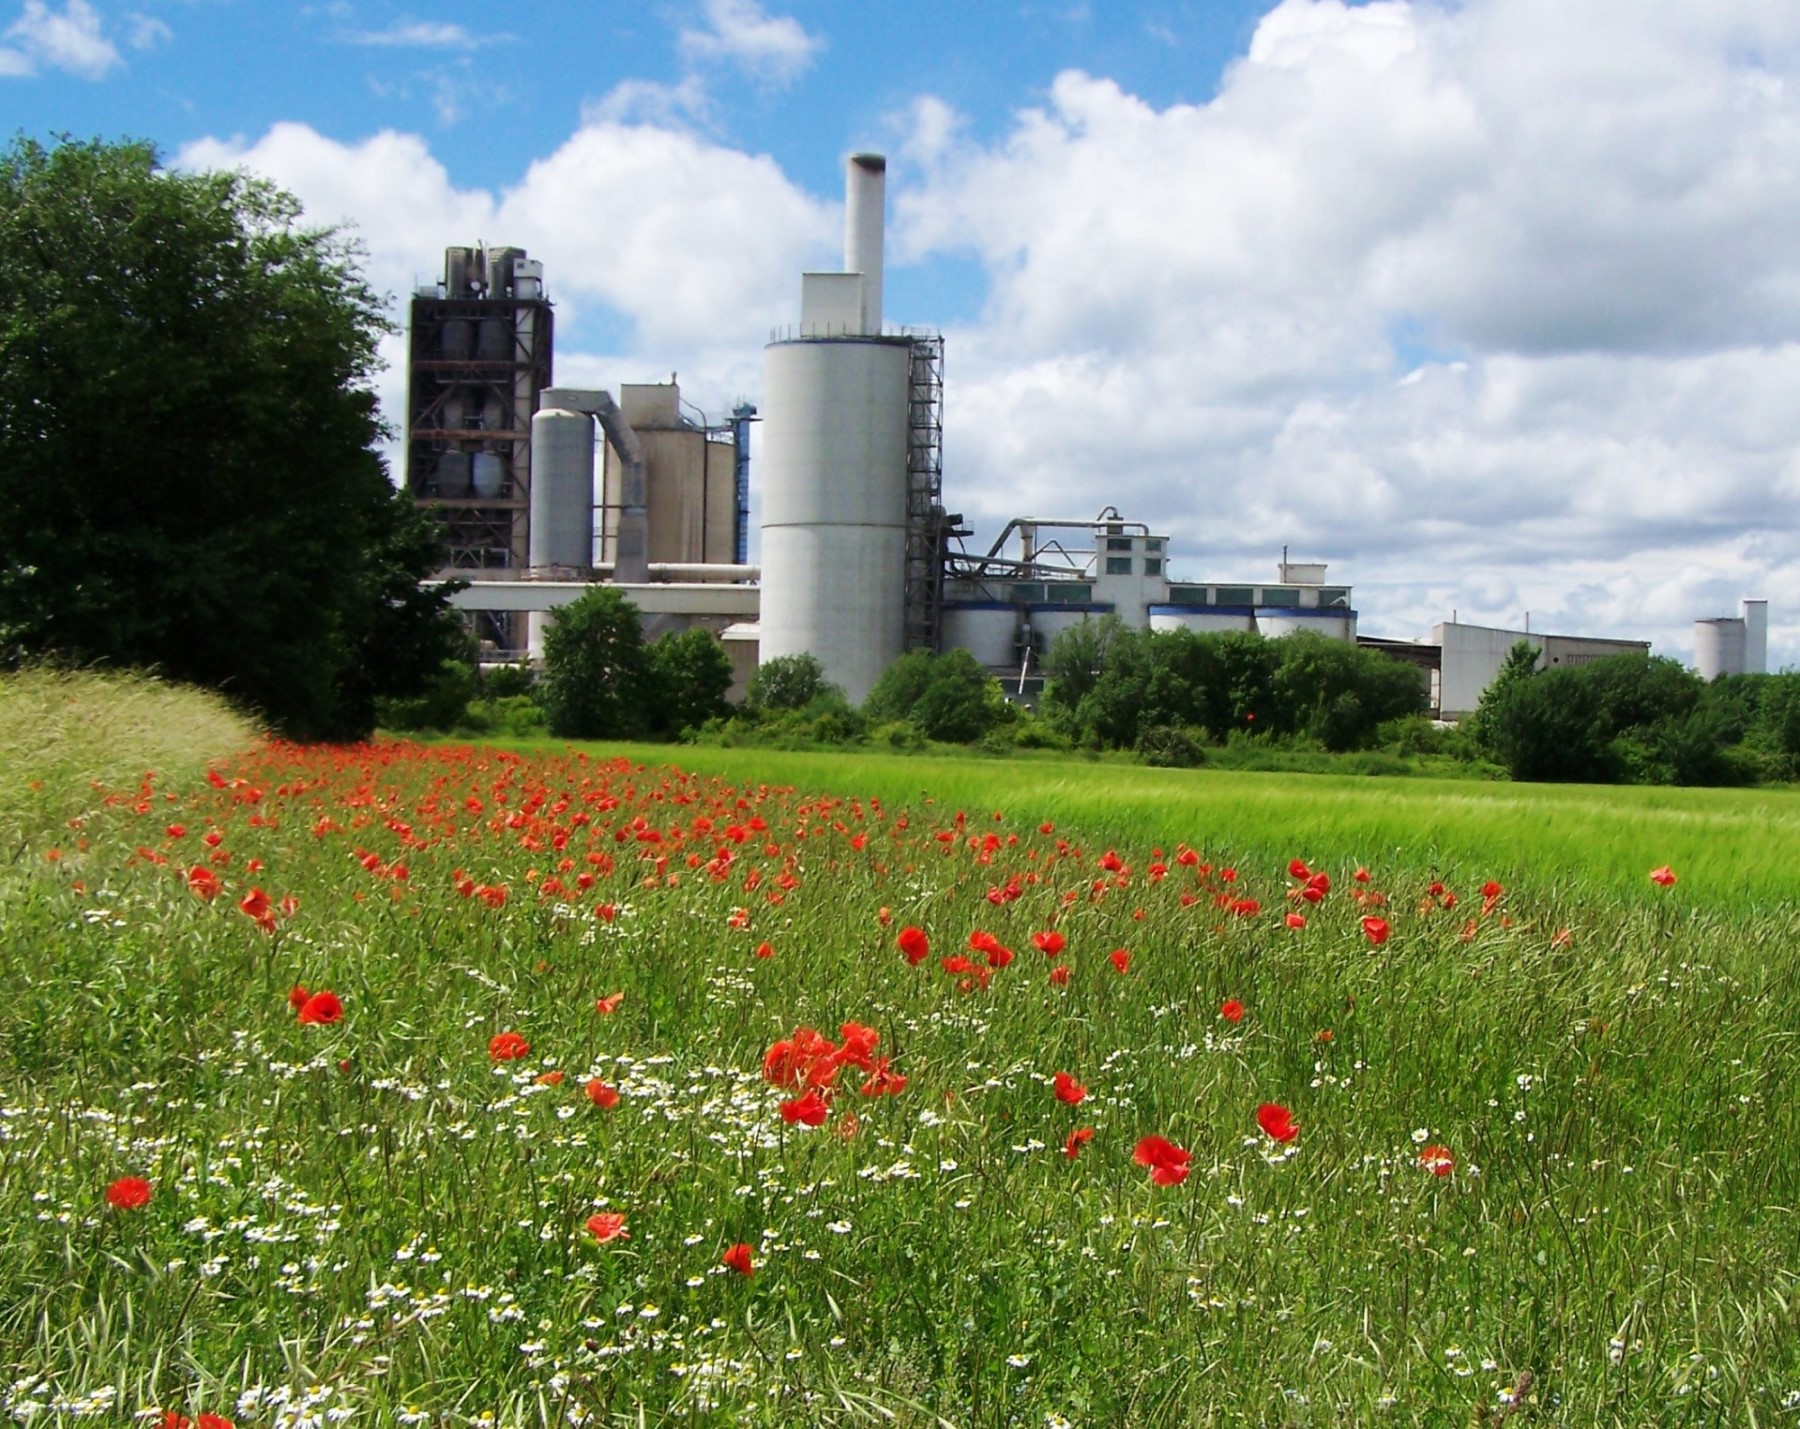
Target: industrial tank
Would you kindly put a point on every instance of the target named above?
(489, 474)
(1200, 618)
(834, 504)
(562, 489)
(988, 630)
(1719, 647)
(1336, 623)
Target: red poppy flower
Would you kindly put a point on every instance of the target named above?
(1298, 869)
(1168, 1163)
(1361, 875)
(601, 1095)
(297, 996)
(204, 883)
(321, 1010)
(172, 1420)
(1076, 1139)
(1060, 975)
(1277, 1122)
(128, 1193)
(1491, 890)
(1231, 1010)
(607, 1225)
(1046, 827)
(1296, 920)
(1375, 930)
(1050, 943)
(1663, 877)
(1437, 1160)
(1120, 959)
(883, 1083)
(1068, 1090)
(508, 1047)
(550, 1079)
(765, 950)
(808, 1110)
(609, 1004)
(914, 944)
(738, 1259)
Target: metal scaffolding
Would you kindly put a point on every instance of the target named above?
(924, 494)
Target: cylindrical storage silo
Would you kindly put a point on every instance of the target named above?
(1049, 621)
(457, 338)
(1201, 618)
(488, 475)
(834, 505)
(1719, 647)
(562, 489)
(988, 630)
(1335, 623)
(494, 340)
(453, 473)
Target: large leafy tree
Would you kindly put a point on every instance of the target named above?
(188, 468)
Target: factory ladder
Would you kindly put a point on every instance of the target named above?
(924, 494)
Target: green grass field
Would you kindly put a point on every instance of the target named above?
(1545, 1168)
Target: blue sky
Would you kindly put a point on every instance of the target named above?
(1493, 304)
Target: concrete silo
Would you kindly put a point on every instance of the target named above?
(839, 411)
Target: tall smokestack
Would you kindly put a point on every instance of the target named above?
(865, 208)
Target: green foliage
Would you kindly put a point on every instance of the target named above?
(1169, 746)
(692, 674)
(788, 682)
(440, 706)
(598, 682)
(501, 682)
(188, 467)
(948, 698)
(1130, 681)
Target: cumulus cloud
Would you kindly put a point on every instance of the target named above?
(662, 251)
(775, 49)
(147, 32)
(1490, 303)
(72, 41)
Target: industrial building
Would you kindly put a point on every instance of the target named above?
(1733, 645)
(544, 490)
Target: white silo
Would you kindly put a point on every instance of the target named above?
(834, 459)
(1756, 636)
(562, 490)
(1719, 647)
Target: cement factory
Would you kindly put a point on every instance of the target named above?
(542, 490)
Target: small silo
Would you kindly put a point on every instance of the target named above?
(1719, 647)
(835, 432)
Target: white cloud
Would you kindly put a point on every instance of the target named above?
(770, 48)
(147, 32)
(418, 34)
(1492, 304)
(661, 251)
(72, 41)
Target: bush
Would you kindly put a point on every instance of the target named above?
(788, 682)
(1170, 747)
(499, 682)
(692, 673)
(439, 706)
(597, 681)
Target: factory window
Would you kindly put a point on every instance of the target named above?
(1068, 593)
(1188, 595)
(1118, 565)
(1153, 567)
(1233, 595)
(1153, 543)
(1280, 595)
(1334, 595)
(1026, 594)
(1118, 543)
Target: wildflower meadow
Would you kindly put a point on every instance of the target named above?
(437, 1085)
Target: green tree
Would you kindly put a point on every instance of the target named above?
(947, 697)
(789, 682)
(188, 469)
(692, 674)
(1339, 693)
(598, 681)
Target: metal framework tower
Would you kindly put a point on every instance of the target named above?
(480, 353)
(924, 494)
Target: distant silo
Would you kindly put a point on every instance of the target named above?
(1733, 644)
(837, 398)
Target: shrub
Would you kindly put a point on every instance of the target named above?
(597, 681)
(1170, 747)
(788, 682)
